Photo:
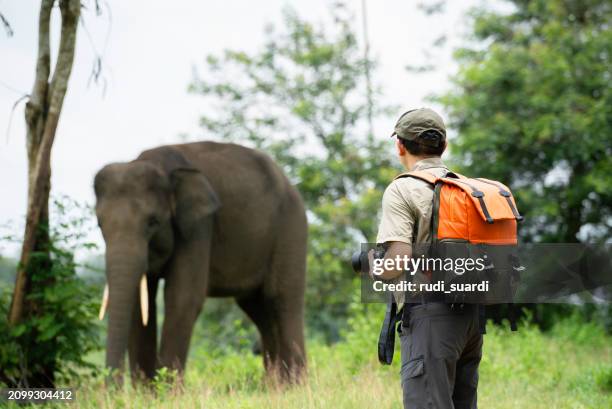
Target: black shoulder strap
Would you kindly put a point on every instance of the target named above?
(386, 339)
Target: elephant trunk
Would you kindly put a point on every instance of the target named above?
(124, 272)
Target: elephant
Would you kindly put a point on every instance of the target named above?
(212, 220)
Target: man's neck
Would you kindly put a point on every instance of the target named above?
(411, 161)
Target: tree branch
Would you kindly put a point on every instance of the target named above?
(70, 10)
(7, 25)
(38, 96)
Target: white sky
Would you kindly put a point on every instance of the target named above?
(151, 49)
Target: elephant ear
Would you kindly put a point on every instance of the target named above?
(194, 200)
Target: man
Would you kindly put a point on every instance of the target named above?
(441, 344)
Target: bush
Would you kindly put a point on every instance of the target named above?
(50, 343)
(603, 378)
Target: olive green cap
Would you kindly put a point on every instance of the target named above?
(413, 123)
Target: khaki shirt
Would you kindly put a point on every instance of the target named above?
(406, 211)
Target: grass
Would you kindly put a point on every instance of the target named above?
(568, 367)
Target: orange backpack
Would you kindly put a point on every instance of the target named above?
(471, 219)
(475, 210)
(474, 218)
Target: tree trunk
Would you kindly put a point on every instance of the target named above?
(42, 116)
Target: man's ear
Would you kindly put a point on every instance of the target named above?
(194, 199)
(401, 149)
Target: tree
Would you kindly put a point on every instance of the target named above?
(42, 115)
(303, 98)
(532, 103)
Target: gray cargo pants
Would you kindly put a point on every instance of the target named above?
(441, 351)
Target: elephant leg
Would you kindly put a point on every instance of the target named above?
(287, 319)
(142, 346)
(284, 296)
(256, 309)
(278, 312)
(179, 320)
(184, 295)
(280, 324)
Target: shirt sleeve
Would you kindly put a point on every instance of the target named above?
(398, 218)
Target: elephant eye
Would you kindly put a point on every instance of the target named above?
(153, 221)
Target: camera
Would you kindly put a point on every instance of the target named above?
(359, 259)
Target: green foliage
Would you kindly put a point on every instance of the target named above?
(60, 328)
(164, 381)
(603, 378)
(533, 105)
(302, 99)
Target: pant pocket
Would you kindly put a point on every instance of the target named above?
(414, 383)
(413, 368)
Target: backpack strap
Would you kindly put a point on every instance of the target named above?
(419, 174)
(505, 193)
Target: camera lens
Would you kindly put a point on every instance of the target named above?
(359, 261)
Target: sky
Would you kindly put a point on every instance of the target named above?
(149, 51)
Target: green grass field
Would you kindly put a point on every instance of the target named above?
(568, 367)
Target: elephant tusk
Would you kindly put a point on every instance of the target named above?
(104, 303)
(144, 300)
